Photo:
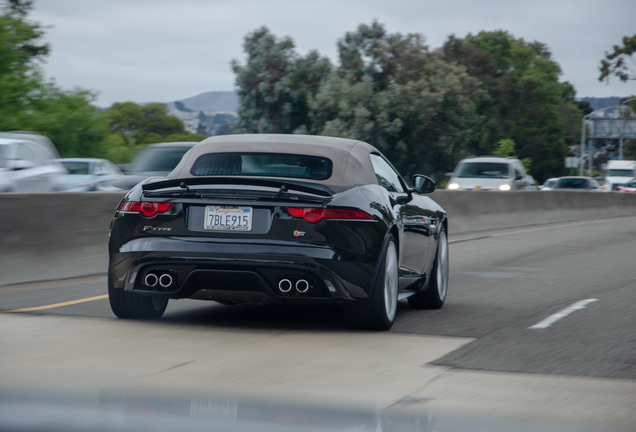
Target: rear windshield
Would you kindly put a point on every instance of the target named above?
(484, 170)
(263, 164)
(79, 168)
(569, 183)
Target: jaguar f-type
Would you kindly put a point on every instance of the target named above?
(291, 219)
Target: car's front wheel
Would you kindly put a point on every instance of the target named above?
(134, 306)
(378, 312)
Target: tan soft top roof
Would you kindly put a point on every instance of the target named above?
(350, 158)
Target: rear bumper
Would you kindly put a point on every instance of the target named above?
(239, 272)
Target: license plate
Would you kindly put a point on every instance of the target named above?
(219, 218)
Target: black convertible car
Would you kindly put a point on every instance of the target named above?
(280, 218)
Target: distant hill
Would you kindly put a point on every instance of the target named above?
(209, 102)
(598, 103)
(210, 113)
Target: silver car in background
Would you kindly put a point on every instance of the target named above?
(577, 183)
(490, 173)
(28, 163)
(89, 174)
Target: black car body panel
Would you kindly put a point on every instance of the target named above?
(281, 257)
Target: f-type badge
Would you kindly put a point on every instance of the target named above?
(156, 229)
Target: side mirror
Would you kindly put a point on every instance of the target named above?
(423, 184)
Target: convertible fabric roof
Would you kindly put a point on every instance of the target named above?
(351, 163)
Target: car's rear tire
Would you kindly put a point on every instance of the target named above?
(435, 296)
(379, 310)
(134, 306)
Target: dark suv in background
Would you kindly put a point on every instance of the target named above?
(156, 160)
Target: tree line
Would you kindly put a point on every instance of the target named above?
(489, 93)
(30, 102)
(425, 109)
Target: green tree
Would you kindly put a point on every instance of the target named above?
(390, 91)
(506, 147)
(617, 62)
(276, 85)
(137, 126)
(70, 120)
(523, 101)
(29, 102)
(20, 59)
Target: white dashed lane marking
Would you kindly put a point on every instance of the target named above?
(562, 314)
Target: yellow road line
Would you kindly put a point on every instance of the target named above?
(55, 305)
(525, 231)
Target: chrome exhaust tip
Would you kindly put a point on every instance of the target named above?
(285, 285)
(151, 280)
(302, 286)
(165, 280)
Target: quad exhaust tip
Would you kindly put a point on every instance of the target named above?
(285, 286)
(302, 286)
(164, 280)
(151, 280)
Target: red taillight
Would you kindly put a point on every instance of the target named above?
(147, 209)
(313, 214)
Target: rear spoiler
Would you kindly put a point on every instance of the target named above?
(281, 185)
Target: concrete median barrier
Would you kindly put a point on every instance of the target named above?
(65, 235)
(475, 211)
(48, 236)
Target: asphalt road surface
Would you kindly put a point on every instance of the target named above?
(539, 328)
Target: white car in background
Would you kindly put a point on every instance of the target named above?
(28, 163)
(490, 173)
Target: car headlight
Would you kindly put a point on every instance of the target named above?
(504, 187)
(453, 186)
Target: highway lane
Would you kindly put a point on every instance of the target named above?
(502, 284)
(506, 282)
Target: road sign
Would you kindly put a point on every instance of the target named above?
(572, 162)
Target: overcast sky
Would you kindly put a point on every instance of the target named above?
(167, 50)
